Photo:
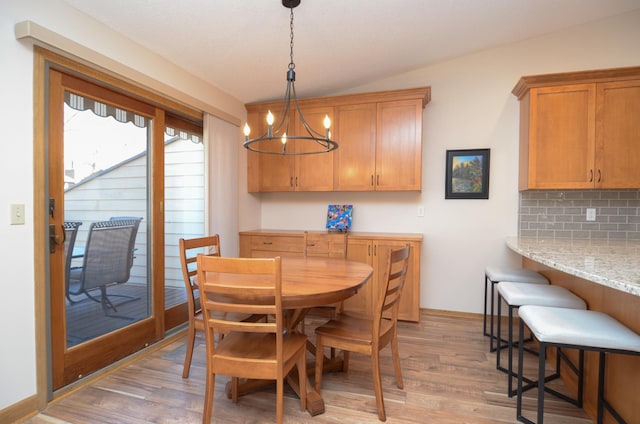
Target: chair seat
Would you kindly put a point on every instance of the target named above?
(579, 327)
(575, 329)
(241, 346)
(516, 275)
(518, 294)
(354, 328)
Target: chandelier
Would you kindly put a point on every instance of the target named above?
(317, 142)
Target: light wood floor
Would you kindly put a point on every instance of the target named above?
(449, 378)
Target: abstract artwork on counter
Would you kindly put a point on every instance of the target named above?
(339, 217)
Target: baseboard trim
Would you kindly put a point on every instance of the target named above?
(442, 312)
(20, 411)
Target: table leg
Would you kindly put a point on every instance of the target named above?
(315, 404)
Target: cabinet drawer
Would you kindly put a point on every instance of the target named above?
(286, 244)
(332, 245)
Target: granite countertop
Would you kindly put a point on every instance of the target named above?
(614, 264)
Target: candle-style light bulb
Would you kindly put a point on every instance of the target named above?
(270, 124)
(327, 125)
(284, 143)
(247, 131)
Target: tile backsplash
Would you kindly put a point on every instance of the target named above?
(563, 214)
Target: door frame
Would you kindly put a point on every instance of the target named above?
(43, 59)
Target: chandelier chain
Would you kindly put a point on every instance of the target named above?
(291, 64)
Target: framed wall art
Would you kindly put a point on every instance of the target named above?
(467, 174)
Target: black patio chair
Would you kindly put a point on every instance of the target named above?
(107, 261)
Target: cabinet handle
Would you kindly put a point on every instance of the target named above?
(599, 176)
(375, 250)
(378, 179)
(296, 181)
(267, 242)
(371, 180)
(369, 250)
(291, 182)
(591, 175)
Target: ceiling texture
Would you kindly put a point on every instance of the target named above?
(242, 46)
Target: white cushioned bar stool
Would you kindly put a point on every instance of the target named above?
(495, 274)
(516, 295)
(573, 329)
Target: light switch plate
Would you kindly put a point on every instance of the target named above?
(17, 214)
(591, 214)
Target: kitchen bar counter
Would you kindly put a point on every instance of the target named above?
(614, 264)
(606, 274)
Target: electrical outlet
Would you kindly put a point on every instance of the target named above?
(17, 214)
(591, 214)
(421, 211)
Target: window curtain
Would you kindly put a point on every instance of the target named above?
(222, 148)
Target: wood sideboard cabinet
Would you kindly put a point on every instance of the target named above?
(380, 145)
(370, 248)
(580, 130)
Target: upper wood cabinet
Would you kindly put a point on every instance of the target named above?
(380, 145)
(580, 130)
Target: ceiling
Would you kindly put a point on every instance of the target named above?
(242, 46)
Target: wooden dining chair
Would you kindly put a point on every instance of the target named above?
(254, 350)
(368, 335)
(189, 249)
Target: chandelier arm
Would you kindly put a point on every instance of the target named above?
(284, 115)
(313, 133)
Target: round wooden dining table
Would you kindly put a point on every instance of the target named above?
(309, 282)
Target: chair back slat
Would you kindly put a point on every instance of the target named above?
(395, 275)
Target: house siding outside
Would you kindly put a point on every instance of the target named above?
(122, 191)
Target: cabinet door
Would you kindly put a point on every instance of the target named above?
(562, 137)
(618, 135)
(267, 172)
(313, 172)
(354, 161)
(362, 251)
(399, 145)
(276, 171)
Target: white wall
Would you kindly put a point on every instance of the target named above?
(471, 107)
(97, 43)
